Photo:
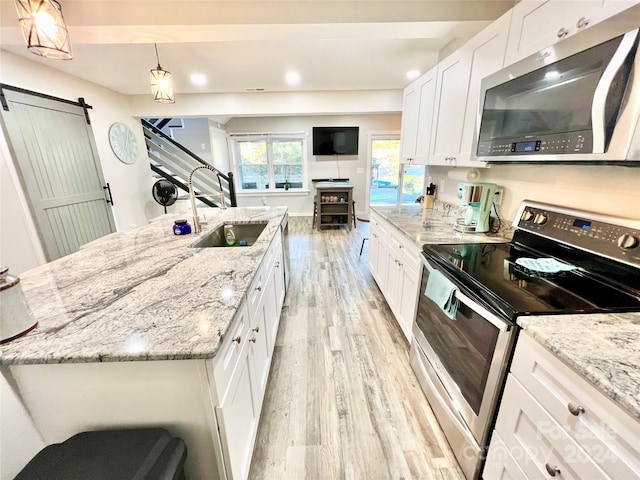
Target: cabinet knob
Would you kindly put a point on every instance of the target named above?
(277, 264)
(252, 340)
(575, 409)
(552, 471)
(238, 339)
(259, 288)
(563, 32)
(257, 329)
(582, 22)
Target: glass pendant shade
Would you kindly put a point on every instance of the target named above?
(162, 86)
(43, 28)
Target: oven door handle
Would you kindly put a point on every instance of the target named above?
(492, 318)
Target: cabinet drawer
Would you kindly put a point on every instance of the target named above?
(537, 442)
(406, 251)
(231, 351)
(500, 464)
(255, 291)
(600, 426)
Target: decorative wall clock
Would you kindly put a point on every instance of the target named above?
(123, 142)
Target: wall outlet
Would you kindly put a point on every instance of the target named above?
(359, 170)
(441, 187)
(497, 197)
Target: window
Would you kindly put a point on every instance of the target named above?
(392, 182)
(270, 162)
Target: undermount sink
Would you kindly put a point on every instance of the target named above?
(244, 232)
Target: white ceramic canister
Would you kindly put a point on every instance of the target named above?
(15, 316)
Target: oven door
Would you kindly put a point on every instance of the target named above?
(461, 365)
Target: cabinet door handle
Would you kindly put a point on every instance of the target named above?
(238, 339)
(543, 55)
(259, 288)
(575, 409)
(582, 22)
(257, 329)
(552, 471)
(563, 32)
(252, 340)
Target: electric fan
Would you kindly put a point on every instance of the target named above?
(165, 193)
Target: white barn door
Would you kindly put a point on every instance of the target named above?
(55, 156)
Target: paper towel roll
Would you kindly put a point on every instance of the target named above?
(464, 174)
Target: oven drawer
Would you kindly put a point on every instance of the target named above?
(537, 442)
(607, 433)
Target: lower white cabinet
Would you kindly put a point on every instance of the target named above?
(248, 352)
(378, 250)
(237, 418)
(552, 422)
(395, 263)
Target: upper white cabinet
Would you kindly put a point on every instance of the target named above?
(457, 94)
(417, 118)
(538, 24)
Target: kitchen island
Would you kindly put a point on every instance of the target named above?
(207, 315)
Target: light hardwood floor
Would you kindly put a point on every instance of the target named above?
(342, 401)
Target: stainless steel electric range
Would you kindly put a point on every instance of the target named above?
(560, 261)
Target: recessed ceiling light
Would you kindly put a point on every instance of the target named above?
(292, 78)
(413, 74)
(198, 79)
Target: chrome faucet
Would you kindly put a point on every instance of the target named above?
(197, 223)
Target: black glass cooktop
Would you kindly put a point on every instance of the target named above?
(489, 274)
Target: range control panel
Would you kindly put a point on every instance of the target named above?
(610, 237)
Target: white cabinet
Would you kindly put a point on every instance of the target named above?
(403, 276)
(378, 250)
(237, 418)
(394, 261)
(417, 119)
(538, 24)
(457, 106)
(241, 368)
(551, 420)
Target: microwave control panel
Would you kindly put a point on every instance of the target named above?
(551, 144)
(581, 230)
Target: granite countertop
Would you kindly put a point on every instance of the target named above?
(141, 295)
(436, 225)
(602, 348)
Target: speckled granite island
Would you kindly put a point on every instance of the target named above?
(143, 329)
(141, 295)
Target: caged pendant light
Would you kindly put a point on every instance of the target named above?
(161, 83)
(43, 28)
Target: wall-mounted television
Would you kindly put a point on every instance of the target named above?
(335, 140)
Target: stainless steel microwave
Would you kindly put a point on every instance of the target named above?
(575, 102)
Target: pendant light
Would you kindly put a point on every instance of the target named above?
(44, 29)
(161, 83)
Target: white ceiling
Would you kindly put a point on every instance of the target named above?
(242, 44)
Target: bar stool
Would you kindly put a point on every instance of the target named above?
(149, 453)
(364, 219)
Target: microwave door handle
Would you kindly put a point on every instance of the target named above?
(604, 85)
